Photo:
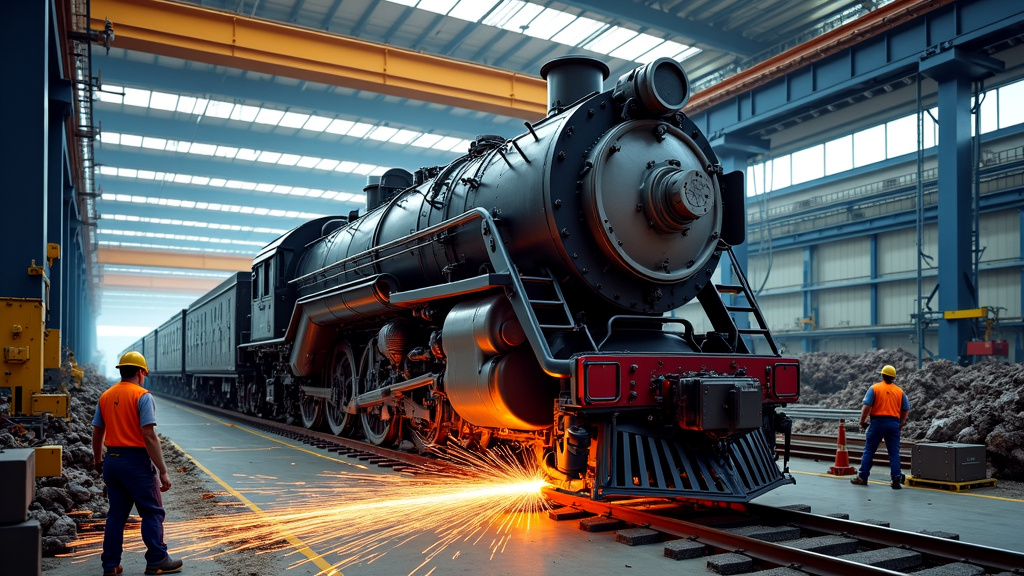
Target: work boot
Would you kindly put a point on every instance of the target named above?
(896, 485)
(859, 481)
(113, 571)
(166, 566)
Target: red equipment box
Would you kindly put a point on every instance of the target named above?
(989, 348)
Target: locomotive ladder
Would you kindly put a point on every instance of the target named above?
(545, 299)
(741, 292)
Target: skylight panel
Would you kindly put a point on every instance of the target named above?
(404, 2)
(108, 95)
(308, 161)
(404, 136)
(131, 140)
(519, 21)
(203, 149)
(339, 127)
(288, 159)
(503, 13)
(182, 179)
(163, 101)
(315, 193)
(293, 120)
(437, 6)
(689, 52)
(548, 23)
(226, 151)
(667, 49)
(610, 40)
(360, 129)
(247, 154)
(110, 138)
(317, 123)
(245, 113)
(186, 104)
(426, 141)
(264, 187)
(268, 116)
(146, 175)
(107, 170)
(153, 143)
(136, 97)
(346, 167)
(218, 182)
(382, 133)
(364, 169)
(472, 10)
(641, 44)
(200, 180)
(281, 189)
(326, 164)
(579, 31)
(218, 109)
(299, 191)
(448, 143)
(269, 157)
(127, 172)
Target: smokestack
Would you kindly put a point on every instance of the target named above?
(571, 78)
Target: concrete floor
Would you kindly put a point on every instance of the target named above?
(262, 469)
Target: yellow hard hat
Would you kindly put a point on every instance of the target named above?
(133, 358)
(889, 371)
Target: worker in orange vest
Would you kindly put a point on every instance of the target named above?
(888, 407)
(133, 468)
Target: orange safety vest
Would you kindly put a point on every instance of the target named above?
(119, 406)
(888, 400)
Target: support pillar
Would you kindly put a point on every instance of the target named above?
(955, 71)
(23, 217)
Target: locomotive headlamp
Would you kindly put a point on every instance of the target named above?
(654, 89)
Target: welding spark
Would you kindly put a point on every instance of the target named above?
(351, 518)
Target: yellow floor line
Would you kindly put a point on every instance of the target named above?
(325, 568)
(961, 493)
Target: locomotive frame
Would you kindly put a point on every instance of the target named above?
(517, 297)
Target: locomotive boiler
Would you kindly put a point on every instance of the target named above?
(520, 296)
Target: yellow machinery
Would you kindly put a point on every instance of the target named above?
(28, 350)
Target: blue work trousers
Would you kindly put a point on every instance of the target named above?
(882, 428)
(132, 480)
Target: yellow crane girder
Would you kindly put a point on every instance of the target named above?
(191, 32)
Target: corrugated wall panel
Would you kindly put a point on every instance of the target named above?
(1001, 288)
(784, 268)
(845, 260)
(851, 345)
(1000, 236)
(898, 300)
(843, 307)
(897, 251)
(782, 312)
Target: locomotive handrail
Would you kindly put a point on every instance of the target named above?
(687, 333)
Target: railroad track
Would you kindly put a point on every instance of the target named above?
(739, 538)
(398, 460)
(822, 447)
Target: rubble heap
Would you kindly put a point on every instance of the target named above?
(978, 404)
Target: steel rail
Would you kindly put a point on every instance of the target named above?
(776, 554)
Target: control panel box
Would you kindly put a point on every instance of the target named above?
(949, 462)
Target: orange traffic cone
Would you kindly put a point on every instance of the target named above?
(842, 466)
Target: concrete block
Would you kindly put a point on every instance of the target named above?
(600, 524)
(874, 522)
(840, 515)
(21, 548)
(17, 483)
(567, 513)
(684, 549)
(637, 536)
(798, 507)
(940, 534)
(829, 545)
(955, 569)
(778, 572)
(767, 533)
(889, 558)
(730, 563)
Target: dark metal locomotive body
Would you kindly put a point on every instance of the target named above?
(518, 295)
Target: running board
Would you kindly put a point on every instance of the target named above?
(642, 464)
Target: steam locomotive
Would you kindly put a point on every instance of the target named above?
(518, 296)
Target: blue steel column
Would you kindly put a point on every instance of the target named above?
(730, 162)
(873, 304)
(24, 166)
(955, 71)
(58, 178)
(807, 344)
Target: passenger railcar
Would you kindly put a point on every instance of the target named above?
(518, 296)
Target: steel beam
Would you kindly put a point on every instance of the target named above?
(160, 259)
(189, 32)
(182, 285)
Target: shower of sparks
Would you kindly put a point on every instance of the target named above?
(351, 518)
